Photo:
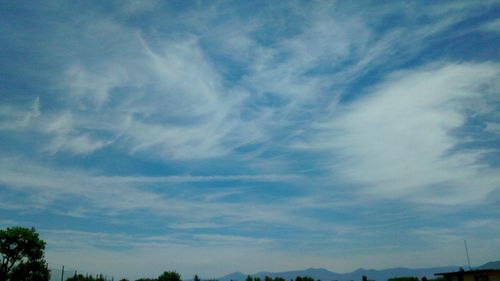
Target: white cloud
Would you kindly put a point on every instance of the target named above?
(399, 140)
(215, 86)
(492, 26)
(165, 96)
(92, 87)
(112, 196)
(195, 225)
(169, 101)
(17, 117)
(66, 136)
(187, 179)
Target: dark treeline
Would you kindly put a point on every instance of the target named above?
(165, 276)
(364, 278)
(80, 277)
(174, 276)
(267, 278)
(415, 279)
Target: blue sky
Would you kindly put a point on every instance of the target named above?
(218, 136)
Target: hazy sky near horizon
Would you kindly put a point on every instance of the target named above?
(217, 136)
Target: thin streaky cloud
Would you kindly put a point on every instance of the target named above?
(323, 134)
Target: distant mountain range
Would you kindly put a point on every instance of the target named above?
(372, 274)
(326, 275)
(490, 265)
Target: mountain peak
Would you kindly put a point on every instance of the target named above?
(372, 274)
(490, 265)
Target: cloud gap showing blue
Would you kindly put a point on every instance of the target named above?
(211, 137)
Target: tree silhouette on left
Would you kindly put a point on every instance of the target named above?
(22, 253)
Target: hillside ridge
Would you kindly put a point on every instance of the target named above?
(372, 274)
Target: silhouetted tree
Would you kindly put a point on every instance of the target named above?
(22, 255)
(79, 277)
(303, 278)
(99, 277)
(404, 279)
(31, 271)
(169, 276)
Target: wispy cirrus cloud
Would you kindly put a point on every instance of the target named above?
(160, 196)
(18, 118)
(165, 96)
(492, 26)
(310, 131)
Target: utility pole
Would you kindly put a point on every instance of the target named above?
(62, 274)
(467, 251)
